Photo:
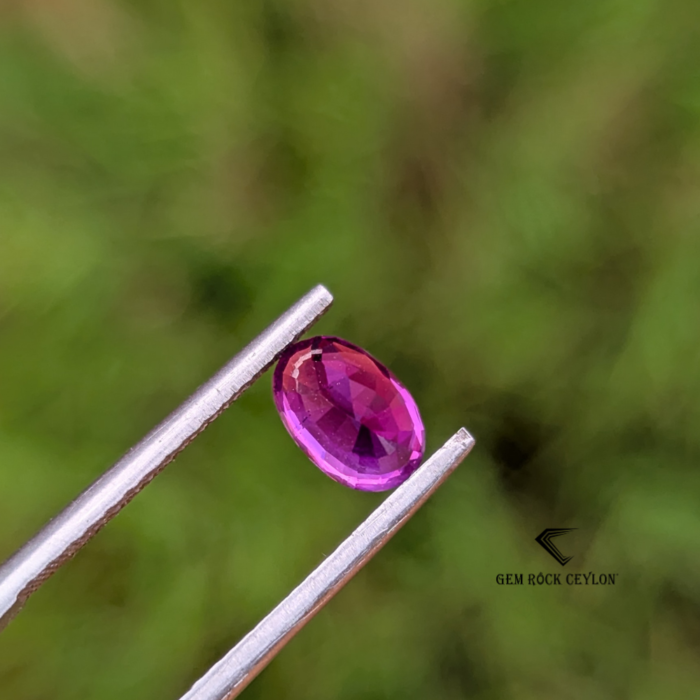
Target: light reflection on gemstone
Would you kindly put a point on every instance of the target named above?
(351, 416)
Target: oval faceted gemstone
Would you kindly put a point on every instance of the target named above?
(349, 413)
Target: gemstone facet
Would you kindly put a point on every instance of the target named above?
(352, 417)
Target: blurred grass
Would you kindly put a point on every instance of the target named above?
(502, 195)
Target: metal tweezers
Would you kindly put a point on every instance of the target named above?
(63, 536)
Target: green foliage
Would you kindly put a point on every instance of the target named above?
(503, 197)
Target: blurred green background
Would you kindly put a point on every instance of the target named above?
(503, 197)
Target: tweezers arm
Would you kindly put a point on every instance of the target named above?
(227, 678)
(63, 536)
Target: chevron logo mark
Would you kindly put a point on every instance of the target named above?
(544, 539)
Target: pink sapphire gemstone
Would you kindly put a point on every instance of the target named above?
(354, 419)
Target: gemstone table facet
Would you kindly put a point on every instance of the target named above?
(350, 415)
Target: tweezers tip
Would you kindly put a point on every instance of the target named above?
(463, 435)
(323, 293)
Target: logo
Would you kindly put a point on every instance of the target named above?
(545, 540)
